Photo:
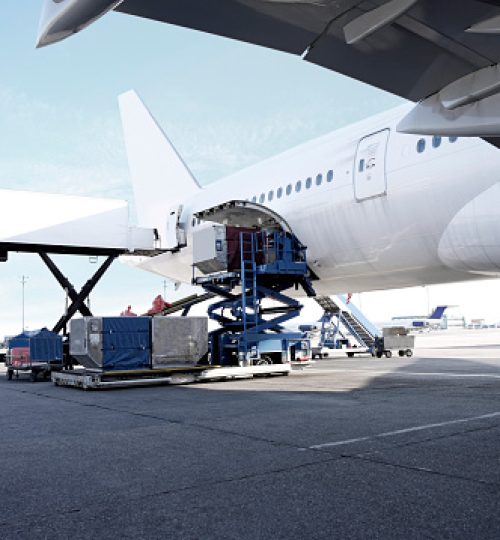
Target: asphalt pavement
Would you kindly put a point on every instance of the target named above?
(347, 448)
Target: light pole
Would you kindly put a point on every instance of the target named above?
(24, 280)
(428, 299)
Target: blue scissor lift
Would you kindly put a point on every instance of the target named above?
(250, 334)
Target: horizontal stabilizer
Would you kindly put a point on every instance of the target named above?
(68, 224)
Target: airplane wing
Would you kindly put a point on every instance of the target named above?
(415, 55)
(443, 54)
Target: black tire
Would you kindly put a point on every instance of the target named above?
(409, 352)
(10, 372)
(379, 354)
(401, 353)
(33, 376)
(350, 354)
(325, 355)
(263, 361)
(388, 354)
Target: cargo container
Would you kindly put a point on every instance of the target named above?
(36, 352)
(138, 343)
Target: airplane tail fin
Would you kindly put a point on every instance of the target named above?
(160, 178)
(438, 312)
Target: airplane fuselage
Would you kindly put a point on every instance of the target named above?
(375, 208)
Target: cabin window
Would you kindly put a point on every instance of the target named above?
(436, 141)
(453, 139)
(262, 198)
(361, 166)
(279, 192)
(420, 145)
(193, 222)
(298, 186)
(270, 195)
(319, 179)
(254, 198)
(308, 183)
(329, 176)
(288, 189)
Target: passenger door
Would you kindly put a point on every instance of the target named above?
(369, 166)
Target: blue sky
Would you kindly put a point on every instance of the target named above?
(225, 105)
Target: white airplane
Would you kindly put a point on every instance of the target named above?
(419, 322)
(377, 207)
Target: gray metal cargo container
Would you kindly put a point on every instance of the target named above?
(178, 341)
(210, 249)
(111, 343)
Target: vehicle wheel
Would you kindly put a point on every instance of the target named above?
(33, 376)
(46, 375)
(263, 361)
(388, 354)
(350, 354)
(325, 355)
(9, 374)
(379, 354)
(401, 353)
(409, 352)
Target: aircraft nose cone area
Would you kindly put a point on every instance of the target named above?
(471, 242)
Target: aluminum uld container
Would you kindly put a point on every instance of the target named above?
(210, 249)
(111, 343)
(178, 341)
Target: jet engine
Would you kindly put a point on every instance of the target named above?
(62, 18)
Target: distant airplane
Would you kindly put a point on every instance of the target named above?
(418, 322)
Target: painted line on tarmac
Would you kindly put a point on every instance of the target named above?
(403, 431)
(410, 373)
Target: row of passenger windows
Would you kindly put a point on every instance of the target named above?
(290, 187)
(436, 142)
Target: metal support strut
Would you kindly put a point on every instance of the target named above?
(77, 298)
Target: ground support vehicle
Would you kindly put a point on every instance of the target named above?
(253, 267)
(37, 352)
(257, 266)
(344, 327)
(93, 380)
(394, 339)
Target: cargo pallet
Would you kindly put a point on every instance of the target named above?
(89, 380)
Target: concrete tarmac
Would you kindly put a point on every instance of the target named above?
(348, 448)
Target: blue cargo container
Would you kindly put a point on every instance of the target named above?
(44, 345)
(36, 351)
(126, 343)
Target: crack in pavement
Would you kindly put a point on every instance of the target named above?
(425, 470)
(210, 429)
(103, 509)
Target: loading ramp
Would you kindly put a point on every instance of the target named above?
(351, 319)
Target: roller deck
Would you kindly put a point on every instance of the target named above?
(93, 380)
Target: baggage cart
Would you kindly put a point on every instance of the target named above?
(394, 339)
(37, 352)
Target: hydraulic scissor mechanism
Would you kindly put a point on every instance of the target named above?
(260, 266)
